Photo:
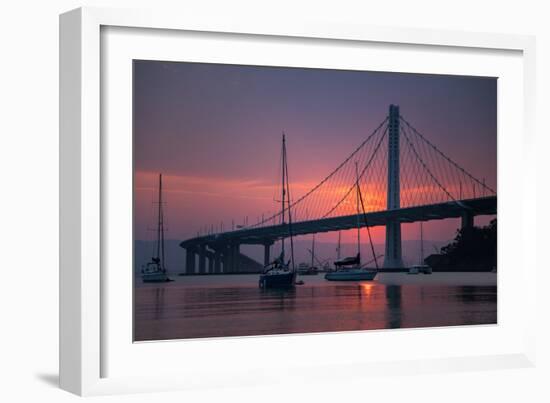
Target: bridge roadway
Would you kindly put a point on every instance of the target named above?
(260, 235)
(226, 244)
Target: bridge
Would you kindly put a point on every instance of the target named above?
(408, 181)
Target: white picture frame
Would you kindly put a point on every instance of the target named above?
(83, 177)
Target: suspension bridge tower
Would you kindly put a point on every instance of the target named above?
(392, 256)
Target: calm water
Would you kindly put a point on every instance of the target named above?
(214, 306)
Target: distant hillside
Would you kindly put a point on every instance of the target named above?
(175, 255)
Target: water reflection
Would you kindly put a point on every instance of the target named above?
(393, 301)
(159, 302)
(182, 311)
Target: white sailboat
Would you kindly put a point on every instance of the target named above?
(350, 268)
(311, 269)
(422, 267)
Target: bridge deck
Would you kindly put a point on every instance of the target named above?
(262, 235)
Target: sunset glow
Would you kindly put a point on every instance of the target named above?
(238, 170)
(214, 132)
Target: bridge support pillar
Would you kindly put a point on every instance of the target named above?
(236, 252)
(267, 253)
(467, 219)
(202, 259)
(392, 255)
(227, 259)
(217, 262)
(190, 260)
(210, 263)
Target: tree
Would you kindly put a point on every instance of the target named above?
(473, 248)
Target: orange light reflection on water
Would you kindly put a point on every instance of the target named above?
(367, 289)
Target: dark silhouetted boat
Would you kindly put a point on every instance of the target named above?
(155, 270)
(278, 274)
(281, 273)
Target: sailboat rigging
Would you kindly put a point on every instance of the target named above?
(421, 267)
(350, 268)
(307, 270)
(155, 270)
(338, 249)
(281, 273)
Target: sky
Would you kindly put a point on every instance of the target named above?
(214, 132)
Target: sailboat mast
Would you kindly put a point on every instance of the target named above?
(313, 250)
(289, 211)
(339, 244)
(159, 219)
(357, 207)
(160, 230)
(368, 230)
(421, 244)
(163, 264)
(283, 193)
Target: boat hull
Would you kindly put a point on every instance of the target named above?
(359, 275)
(155, 277)
(279, 280)
(417, 269)
(310, 272)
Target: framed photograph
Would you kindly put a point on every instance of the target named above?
(315, 199)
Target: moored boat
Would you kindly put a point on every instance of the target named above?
(352, 273)
(422, 267)
(305, 269)
(281, 273)
(278, 275)
(155, 270)
(350, 268)
(153, 273)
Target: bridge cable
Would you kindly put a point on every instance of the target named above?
(445, 156)
(360, 176)
(367, 225)
(426, 167)
(327, 177)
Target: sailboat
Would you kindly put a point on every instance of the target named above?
(350, 268)
(281, 273)
(155, 270)
(338, 252)
(339, 247)
(307, 270)
(422, 267)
